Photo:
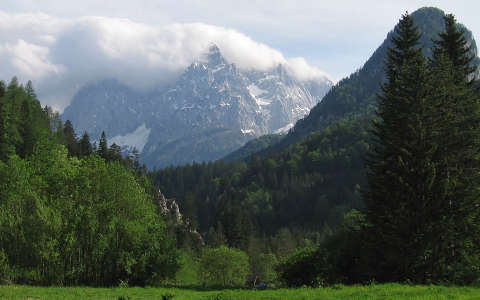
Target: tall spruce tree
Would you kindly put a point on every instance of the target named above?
(70, 138)
(84, 145)
(4, 146)
(26, 131)
(454, 254)
(400, 168)
(454, 46)
(103, 146)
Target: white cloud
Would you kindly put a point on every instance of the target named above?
(299, 67)
(61, 55)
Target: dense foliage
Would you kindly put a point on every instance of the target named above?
(67, 215)
(223, 267)
(307, 186)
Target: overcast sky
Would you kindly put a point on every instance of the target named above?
(312, 36)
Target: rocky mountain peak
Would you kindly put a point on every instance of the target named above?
(212, 109)
(215, 57)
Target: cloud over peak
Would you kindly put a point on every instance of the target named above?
(61, 55)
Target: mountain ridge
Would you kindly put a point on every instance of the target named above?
(212, 109)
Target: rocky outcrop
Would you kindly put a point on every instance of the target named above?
(174, 219)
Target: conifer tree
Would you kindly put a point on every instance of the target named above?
(454, 46)
(455, 248)
(70, 138)
(400, 169)
(85, 147)
(114, 153)
(4, 147)
(26, 131)
(30, 91)
(103, 146)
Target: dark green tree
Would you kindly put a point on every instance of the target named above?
(103, 146)
(401, 173)
(3, 121)
(454, 46)
(114, 153)
(30, 91)
(26, 131)
(84, 145)
(70, 138)
(453, 251)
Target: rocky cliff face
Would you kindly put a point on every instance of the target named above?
(183, 227)
(212, 109)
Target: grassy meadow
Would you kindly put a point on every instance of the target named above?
(385, 291)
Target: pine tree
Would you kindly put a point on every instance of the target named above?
(30, 91)
(84, 145)
(400, 169)
(4, 145)
(26, 131)
(454, 46)
(114, 153)
(455, 248)
(3, 88)
(70, 138)
(103, 146)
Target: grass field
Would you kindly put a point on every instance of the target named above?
(386, 291)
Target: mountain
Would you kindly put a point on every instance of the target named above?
(212, 109)
(355, 96)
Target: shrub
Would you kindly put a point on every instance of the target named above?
(223, 267)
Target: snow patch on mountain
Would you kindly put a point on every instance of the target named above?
(256, 91)
(136, 139)
(284, 129)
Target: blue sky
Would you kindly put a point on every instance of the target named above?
(336, 37)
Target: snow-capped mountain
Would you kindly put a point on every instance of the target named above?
(212, 109)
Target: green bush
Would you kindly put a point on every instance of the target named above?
(223, 267)
(188, 273)
(300, 268)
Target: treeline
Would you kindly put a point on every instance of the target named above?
(71, 214)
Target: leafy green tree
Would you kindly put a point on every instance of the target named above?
(223, 267)
(188, 274)
(70, 221)
(300, 268)
(264, 267)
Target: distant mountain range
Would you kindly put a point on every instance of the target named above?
(212, 109)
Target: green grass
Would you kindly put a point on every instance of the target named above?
(385, 291)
